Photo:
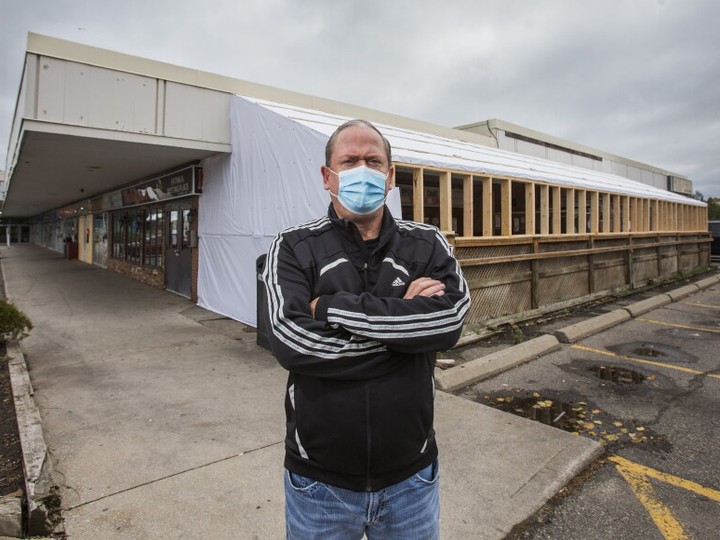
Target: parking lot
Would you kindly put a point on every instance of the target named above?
(648, 389)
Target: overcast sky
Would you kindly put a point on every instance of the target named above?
(637, 78)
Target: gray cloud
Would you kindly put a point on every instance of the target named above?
(637, 78)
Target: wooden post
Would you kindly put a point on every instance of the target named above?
(606, 213)
(582, 211)
(594, 212)
(445, 201)
(617, 226)
(626, 214)
(529, 208)
(544, 209)
(506, 207)
(487, 198)
(570, 211)
(418, 195)
(634, 222)
(556, 210)
(468, 206)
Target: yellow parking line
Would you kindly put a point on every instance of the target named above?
(664, 520)
(661, 323)
(700, 305)
(710, 493)
(637, 476)
(642, 361)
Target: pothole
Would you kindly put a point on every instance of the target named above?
(653, 351)
(617, 374)
(649, 351)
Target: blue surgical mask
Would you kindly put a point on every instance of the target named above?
(361, 189)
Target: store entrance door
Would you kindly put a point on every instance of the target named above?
(178, 258)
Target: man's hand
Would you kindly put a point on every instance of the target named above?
(313, 303)
(425, 286)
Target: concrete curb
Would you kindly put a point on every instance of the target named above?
(578, 331)
(486, 366)
(682, 292)
(39, 488)
(708, 282)
(638, 308)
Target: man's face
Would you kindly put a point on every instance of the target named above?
(355, 146)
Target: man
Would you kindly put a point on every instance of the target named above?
(358, 304)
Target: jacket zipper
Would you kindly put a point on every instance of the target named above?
(368, 437)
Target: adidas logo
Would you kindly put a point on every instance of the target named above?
(398, 282)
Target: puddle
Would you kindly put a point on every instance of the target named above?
(617, 374)
(574, 416)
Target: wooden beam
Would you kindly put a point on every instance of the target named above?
(570, 211)
(606, 213)
(556, 210)
(617, 225)
(487, 200)
(544, 209)
(529, 208)
(468, 206)
(445, 201)
(582, 211)
(626, 214)
(418, 195)
(634, 225)
(505, 207)
(594, 212)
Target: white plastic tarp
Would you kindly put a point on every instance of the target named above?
(271, 181)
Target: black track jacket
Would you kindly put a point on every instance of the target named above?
(360, 391)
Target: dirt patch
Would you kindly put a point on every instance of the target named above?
(11, 467)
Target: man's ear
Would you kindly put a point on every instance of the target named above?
(390, 180)
(326, 176)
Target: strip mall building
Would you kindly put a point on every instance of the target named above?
(181, 178)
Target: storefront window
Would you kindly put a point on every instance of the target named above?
(118, 237)
(154, 226)
(134, 228)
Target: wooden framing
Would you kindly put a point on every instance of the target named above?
(529, 208)
(570, 211)
(556, 209)
(487, 217)
(446, 201)
(585, 211)
(418, 195)
(544, 210)
(505, 207)
(606, 221)
(468, 206)
(582, 211)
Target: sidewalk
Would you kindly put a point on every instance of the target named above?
(164, 420)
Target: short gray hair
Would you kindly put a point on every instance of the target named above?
(330, 146)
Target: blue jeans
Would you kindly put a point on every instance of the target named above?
(407, 510)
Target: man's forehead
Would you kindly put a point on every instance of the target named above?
(360, 135)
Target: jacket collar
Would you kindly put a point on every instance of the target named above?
(348, 228)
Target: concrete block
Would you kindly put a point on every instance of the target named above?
(11, 517)
(682, 292)
(39, 485)
(576, 332)
(487, 366)
(638, 308)
(708, 282)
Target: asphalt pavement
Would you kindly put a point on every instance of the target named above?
(163, 420)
